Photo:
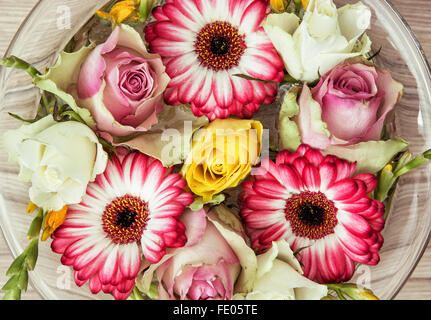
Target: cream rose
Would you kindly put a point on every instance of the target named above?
(59, 159)
(325, 37)
(279, 277)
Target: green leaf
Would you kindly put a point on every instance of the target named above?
(59, 78)
(371, 156)
(16, 265)
(290, 137)
(12, 283)
(427, 154)
(405, 158)
(32, 252)
(14, 294)
(199, 203)
(352, 291)
(329, 297)
(36, 226)
(298, 251)
(298, 6)
(73, 116)
(375, 54)
(19, 271)
(153, 293)
(23, 280)
(289, 79)
(415, 163)
(136, 295)
(20, 119)
(17, 63)
(70, 47)
(145, 8)
(386, 180)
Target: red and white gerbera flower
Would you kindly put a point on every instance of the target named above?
(135, 204)
(203, 43)
(316, 204)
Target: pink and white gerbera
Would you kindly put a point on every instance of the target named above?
(132, 208)
(316, 204)
(204, 43)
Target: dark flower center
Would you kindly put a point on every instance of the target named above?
(311, 215)
(220, 46)
(124, 219)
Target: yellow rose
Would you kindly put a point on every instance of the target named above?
(223, 154)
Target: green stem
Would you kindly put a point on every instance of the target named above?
(45, 102)
(340, 294)
(415, 163)
(20, 119)
(389, 204)
(17, 63)
(298, 6)
(145, 8)
(137, 294)
(18, 271)
(73, 115)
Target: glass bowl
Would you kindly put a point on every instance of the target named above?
(52, 23)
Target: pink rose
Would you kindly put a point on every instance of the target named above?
(344, 115)
(355, 99)
(210, 263)
(122, 84)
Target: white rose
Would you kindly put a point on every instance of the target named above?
(279, 277)
(59, 159)
(325, 37)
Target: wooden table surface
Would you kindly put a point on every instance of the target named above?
(416, 12)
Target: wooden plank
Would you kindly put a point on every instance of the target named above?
(416, 13)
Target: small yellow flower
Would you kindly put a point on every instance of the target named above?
(279, 5)
(121, 11)
(305, 3)
(53, 220)
(367, 295)
(223, 154)
(31, 207)
(388, 168)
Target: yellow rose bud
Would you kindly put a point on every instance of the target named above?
(279, 5)
(121, 11)
(31, 207)
(53, 220)
(223, 154)
(388, 167)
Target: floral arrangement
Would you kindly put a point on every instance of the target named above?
(152, 172)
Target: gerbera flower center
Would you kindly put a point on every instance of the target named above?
(220, 46)
(124, 219)
(311, 215)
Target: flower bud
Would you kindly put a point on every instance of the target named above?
(279, 5)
